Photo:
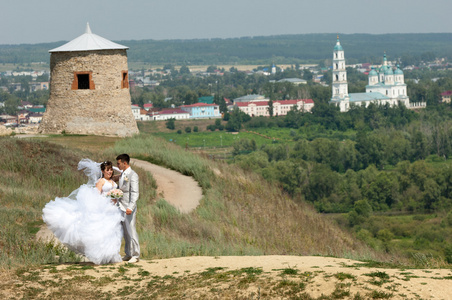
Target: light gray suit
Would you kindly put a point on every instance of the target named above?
(129, 184)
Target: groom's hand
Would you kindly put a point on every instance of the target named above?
(128, 211)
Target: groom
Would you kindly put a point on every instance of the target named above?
(128, 183)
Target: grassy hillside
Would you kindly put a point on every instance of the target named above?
(240, 214)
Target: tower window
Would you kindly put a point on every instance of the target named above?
(124, 80)
(83, 81)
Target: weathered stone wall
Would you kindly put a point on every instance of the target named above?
(104, 110)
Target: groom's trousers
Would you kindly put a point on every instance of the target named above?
(132, 246)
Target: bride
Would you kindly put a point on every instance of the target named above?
(87, 221)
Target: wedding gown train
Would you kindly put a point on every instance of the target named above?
(86, 221)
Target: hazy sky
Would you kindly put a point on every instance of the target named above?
(31, 21)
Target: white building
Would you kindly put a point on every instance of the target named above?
(174, 113)
(136, 111)
(296, 81)
(385, 86)
(280, 107)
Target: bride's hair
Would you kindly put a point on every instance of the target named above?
(106, 164)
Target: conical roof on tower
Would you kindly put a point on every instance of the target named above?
(88, 42)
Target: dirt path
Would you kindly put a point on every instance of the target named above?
(181, 191)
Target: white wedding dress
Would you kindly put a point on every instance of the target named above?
(86, 221)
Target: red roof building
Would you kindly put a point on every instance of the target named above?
(148, 106)
(445, 96)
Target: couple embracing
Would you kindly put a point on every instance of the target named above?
(90, 222)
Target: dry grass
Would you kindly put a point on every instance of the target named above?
(92, 144)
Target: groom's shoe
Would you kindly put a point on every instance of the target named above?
(126, 258)
(134, 259)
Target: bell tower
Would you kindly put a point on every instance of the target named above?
(340, 85)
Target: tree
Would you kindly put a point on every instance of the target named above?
(211, 69)
(360, 213)
(170, 123)
(270, 107)
(223, 106)
(235, 120)
(184, 70)
(307, 75)
(190, 97)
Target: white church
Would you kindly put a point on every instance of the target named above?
(386, 85)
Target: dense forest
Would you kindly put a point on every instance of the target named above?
(291, 49)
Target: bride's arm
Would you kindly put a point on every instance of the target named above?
(100, 183)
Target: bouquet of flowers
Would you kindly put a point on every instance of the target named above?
(115, 194)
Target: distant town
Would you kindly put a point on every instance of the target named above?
(28, 114)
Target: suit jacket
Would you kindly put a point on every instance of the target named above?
(130, 187)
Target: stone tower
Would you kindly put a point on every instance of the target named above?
(89, 89)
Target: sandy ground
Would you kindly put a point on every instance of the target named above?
(427, 284)
(321, 275)
(311, 277)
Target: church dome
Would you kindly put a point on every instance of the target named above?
(389, 71)
(398, 71)
(373, 72)
(338, 46)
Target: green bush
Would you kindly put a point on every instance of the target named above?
(385, 235)
(171, 124)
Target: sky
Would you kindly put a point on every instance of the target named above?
(31, 21)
